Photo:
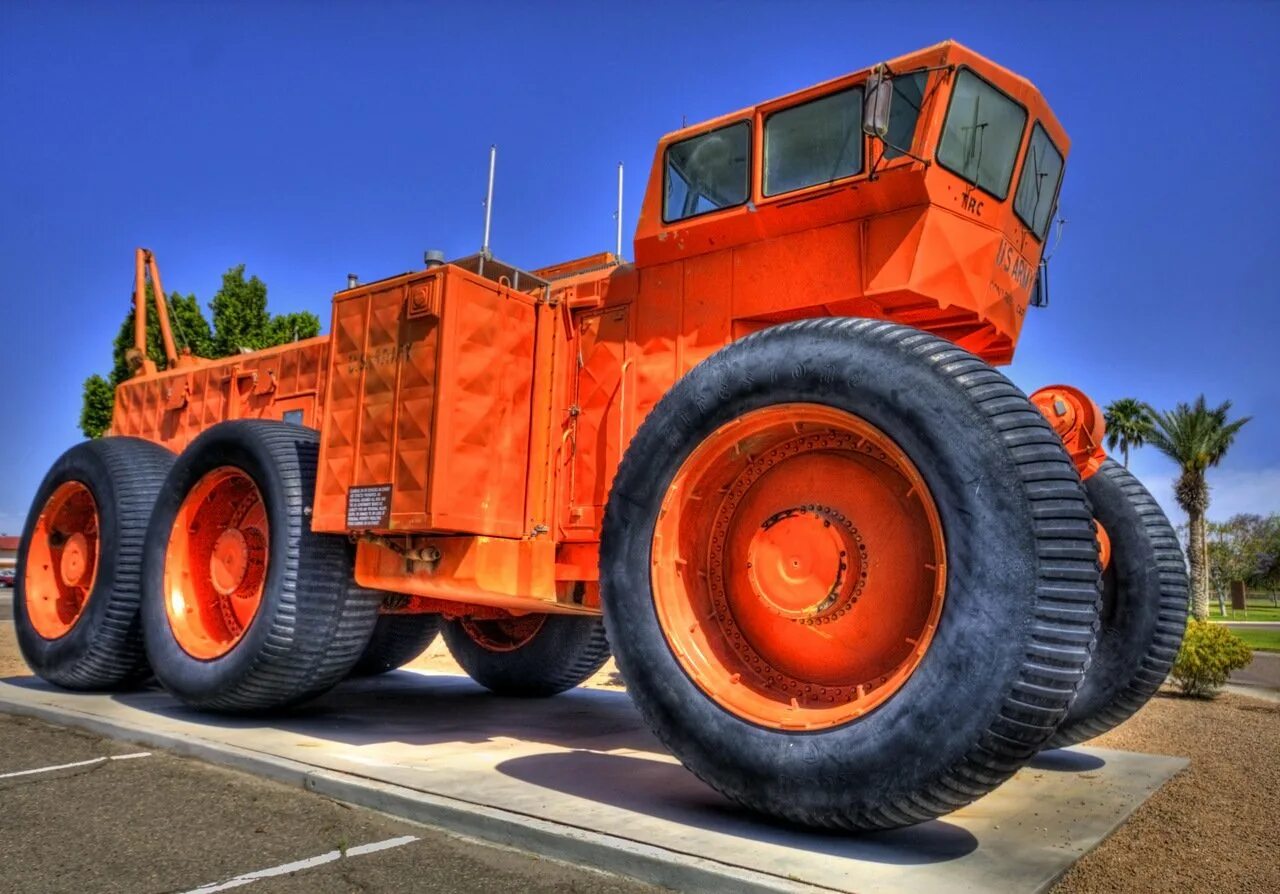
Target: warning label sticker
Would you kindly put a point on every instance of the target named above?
(369, 506)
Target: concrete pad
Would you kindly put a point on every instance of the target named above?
(579, 778)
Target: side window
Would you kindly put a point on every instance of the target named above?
(904, 112)
(708, 172)
(982, 134)
(1038, 183)
(813, 143)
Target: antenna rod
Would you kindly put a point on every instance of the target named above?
(618, 253)
(488, 200)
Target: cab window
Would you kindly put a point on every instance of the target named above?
(982, 134)
(1038, 183)
(708, 172)
(904, 112)
(817, 142)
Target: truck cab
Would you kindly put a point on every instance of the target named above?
(920, 190)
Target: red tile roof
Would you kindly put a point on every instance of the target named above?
(9, 543)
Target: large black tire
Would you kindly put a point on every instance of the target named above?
(313, 621)
(1022, 590)
(564, 651)
(1144, 607)
(103, 650)
(396, 640)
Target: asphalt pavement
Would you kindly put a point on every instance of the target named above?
(81, 813)
(1263, 672)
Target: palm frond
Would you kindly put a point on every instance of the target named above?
(1195, 436)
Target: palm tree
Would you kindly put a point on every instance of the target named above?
(1128, 424)
(1195, 437)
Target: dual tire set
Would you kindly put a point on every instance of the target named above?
(202, 570)
(850, 575)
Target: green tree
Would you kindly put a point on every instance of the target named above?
(240, 317)
(95, 413)
(190, 328)
(1128, 424)
(240, 320)
(1237, 551)
(1196, 437)
(1260, 559)
(292, 327)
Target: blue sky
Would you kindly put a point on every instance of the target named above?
(308, 140)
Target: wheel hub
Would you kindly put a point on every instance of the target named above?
(799, 559)
(75, 559)
(216, 563)
(229, 561)
(504, 634)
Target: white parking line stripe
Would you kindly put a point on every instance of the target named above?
(299, 865)
(88, 763)
(362, 849)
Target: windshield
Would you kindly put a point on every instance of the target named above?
(813, 143)
(707, 172)
(1038, 182)
(981, 137)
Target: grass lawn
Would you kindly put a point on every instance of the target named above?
(1259, 640)
(1259, 610)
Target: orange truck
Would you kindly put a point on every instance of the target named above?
(851, 574)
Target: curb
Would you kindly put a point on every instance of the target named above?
(1262, 693)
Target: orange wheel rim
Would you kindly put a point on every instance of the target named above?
(1104, 545)
(798, 566)
(62, 560)
(216, 563)
(504, 634)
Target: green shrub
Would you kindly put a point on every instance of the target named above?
(1209, 653)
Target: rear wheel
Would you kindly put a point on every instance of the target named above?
(396, 640)
(1144, 607)
(79, 562)
(244, 608)
(531, 655)
(849, 574)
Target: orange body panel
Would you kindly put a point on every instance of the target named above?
(174, 406)
(480, 424)
(430, 391)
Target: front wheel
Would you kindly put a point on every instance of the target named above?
(849, 574)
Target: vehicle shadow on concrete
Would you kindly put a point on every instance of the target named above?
(591, 727)
(420, 709)
(1060, 761)
(668, 792)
